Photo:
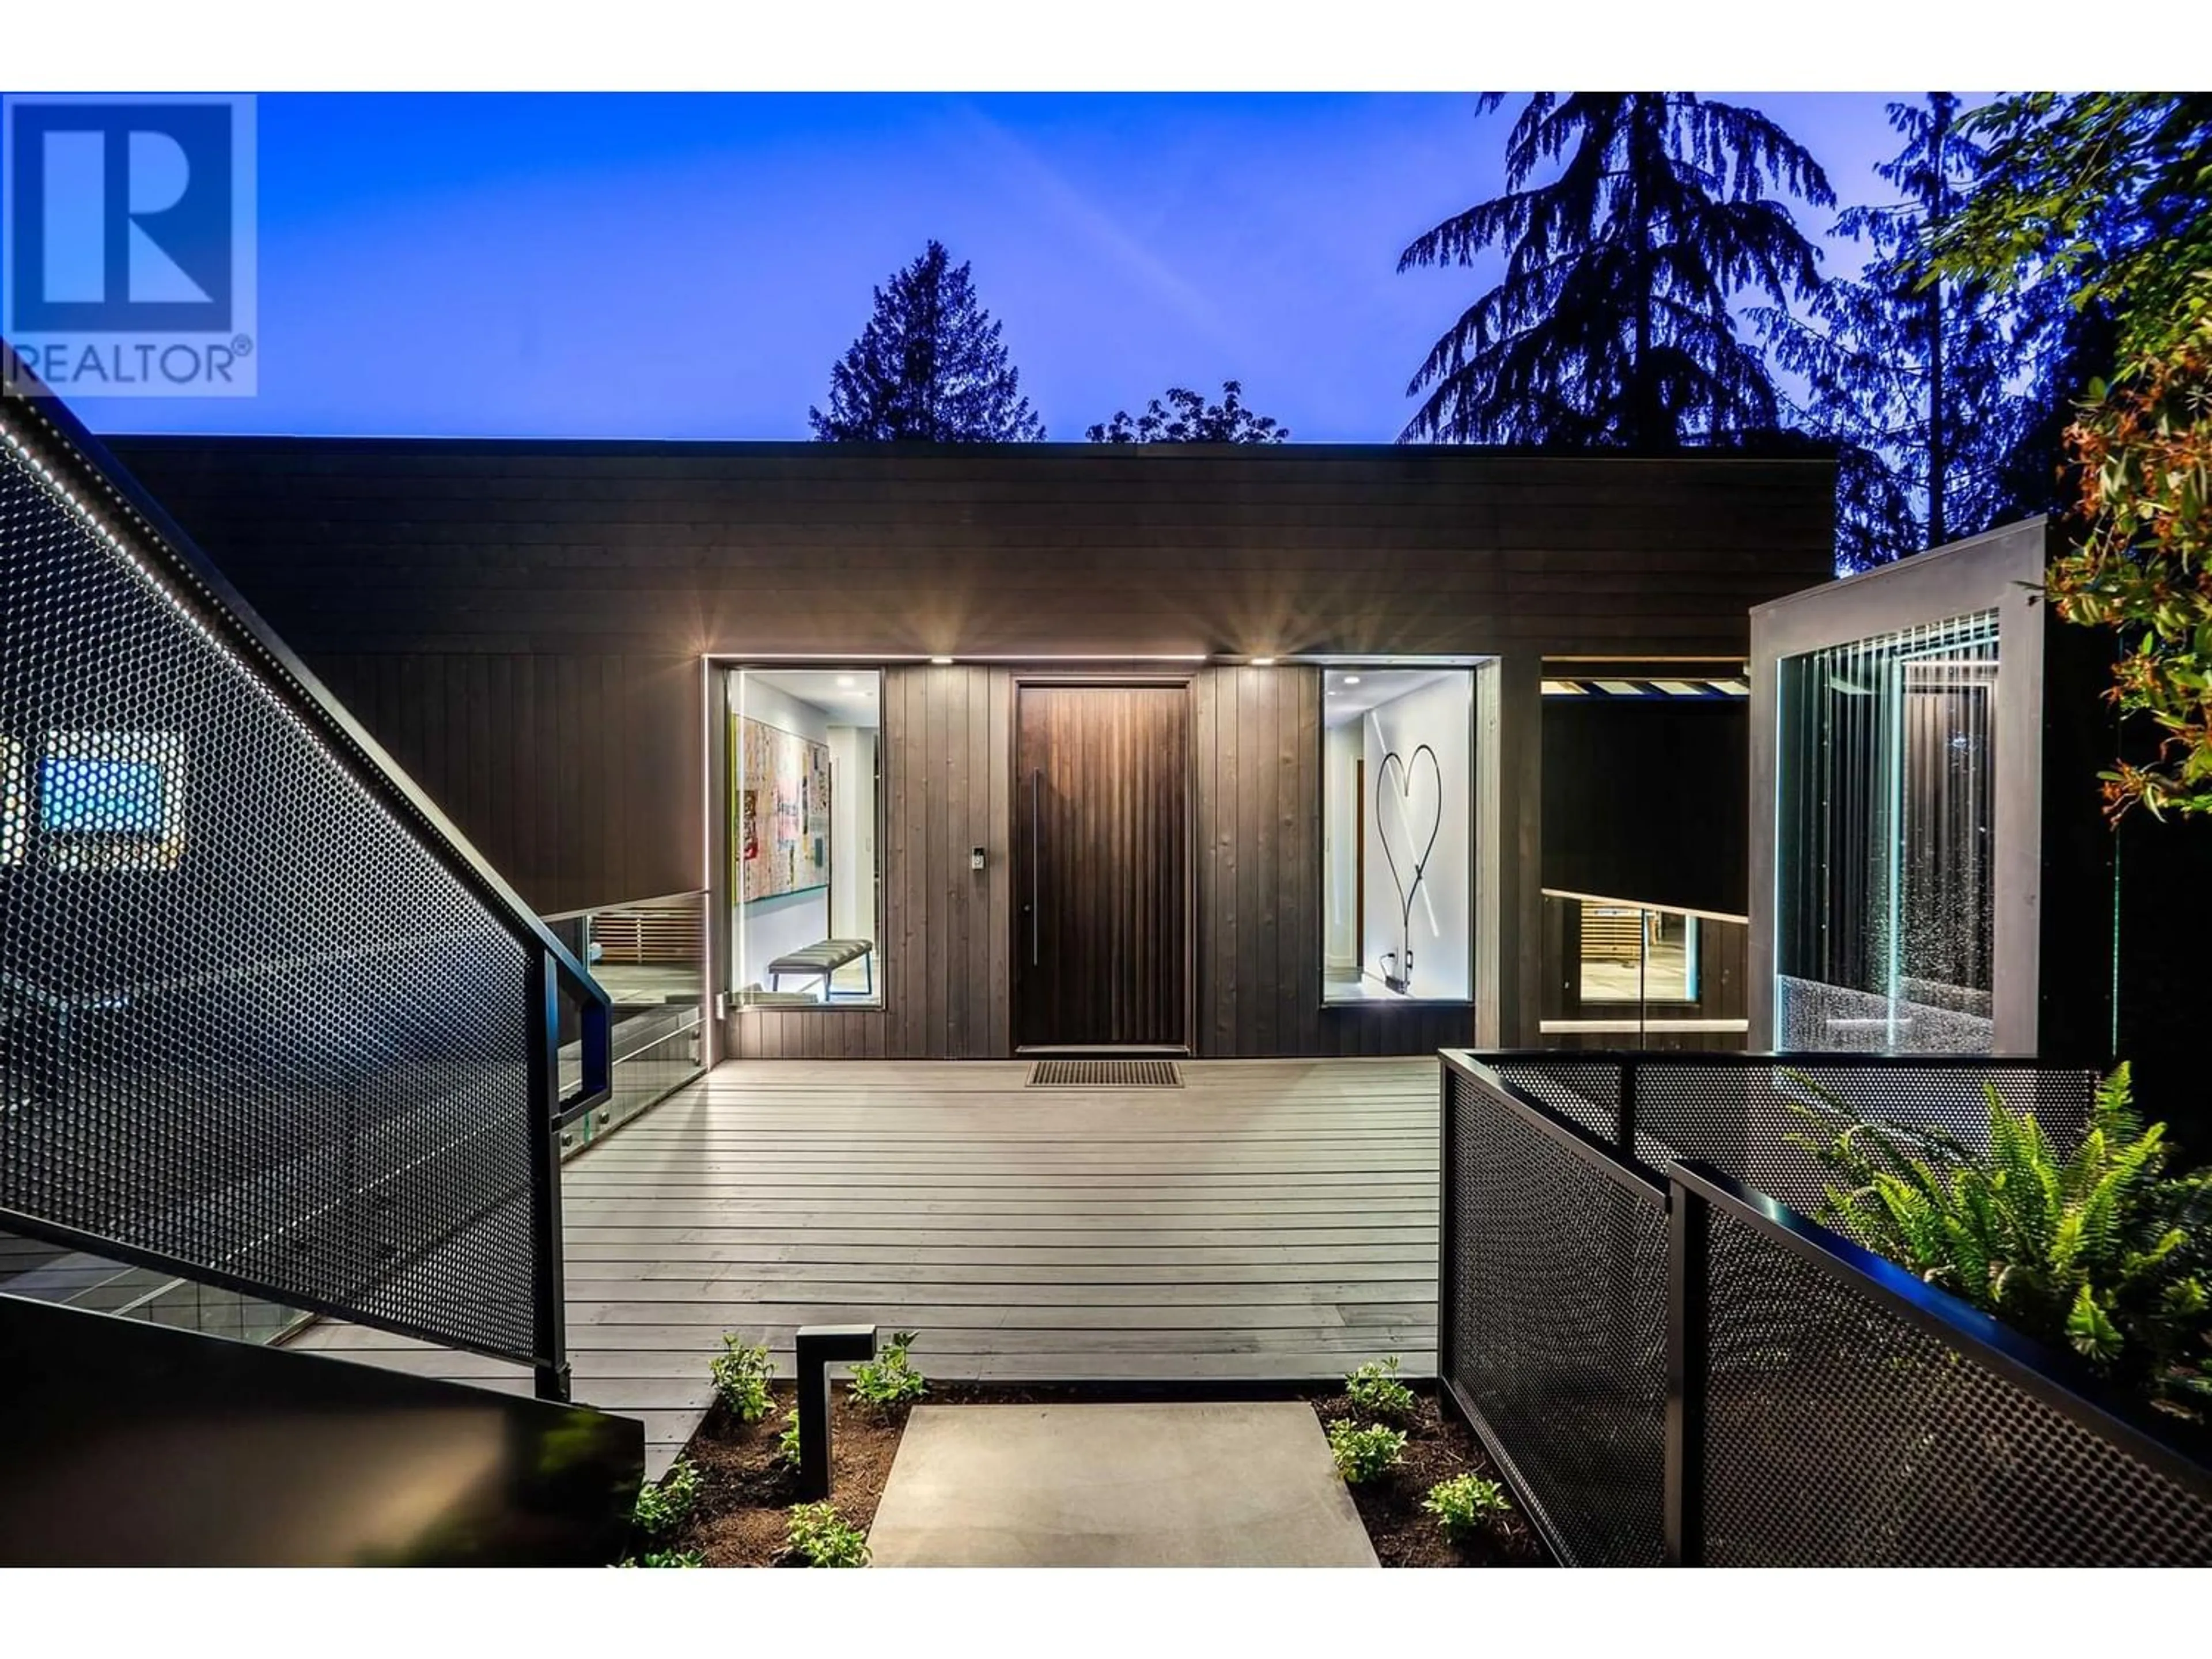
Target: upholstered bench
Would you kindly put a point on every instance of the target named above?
(824, 959)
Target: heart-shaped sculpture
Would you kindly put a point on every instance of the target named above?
(1407, 877)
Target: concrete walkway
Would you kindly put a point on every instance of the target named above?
(1227, 1485)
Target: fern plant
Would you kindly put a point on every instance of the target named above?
(666, 1504)
(741, 1377)
(823, 1537)
(892, 1379)
(1376, 1390)
(2102, 1251)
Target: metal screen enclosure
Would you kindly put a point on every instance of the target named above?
(254, 1025)
(1551, 1327)
(1670, 1365)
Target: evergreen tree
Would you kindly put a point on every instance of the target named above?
(1613, 325)
(1906, 371)
(2090, 213)
(930, 365)
(1187, 418)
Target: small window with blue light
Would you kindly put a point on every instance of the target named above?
(111, 800)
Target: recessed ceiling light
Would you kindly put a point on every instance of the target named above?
(845, 679)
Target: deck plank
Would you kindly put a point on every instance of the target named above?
(1270, 1221)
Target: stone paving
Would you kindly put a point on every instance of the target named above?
(1215, 1485)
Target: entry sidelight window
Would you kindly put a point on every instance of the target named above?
(803, 763)
(1397, 834)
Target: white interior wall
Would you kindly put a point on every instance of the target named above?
(1340, 750)
(769, 928)
(1441, 926)
(853, 913)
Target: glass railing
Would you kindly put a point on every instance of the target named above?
(55, 1273)
(1623, 974)
(650, 957)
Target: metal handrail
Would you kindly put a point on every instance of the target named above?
(658, 899)
(59, 445)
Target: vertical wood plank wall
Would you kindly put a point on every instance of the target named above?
(947, 931)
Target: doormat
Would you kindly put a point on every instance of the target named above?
(1105, 1074)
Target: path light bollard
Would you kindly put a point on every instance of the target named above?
(818, 1345)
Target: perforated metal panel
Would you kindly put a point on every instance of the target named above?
(1839, 1433)
(249, 1024)
(1555, 1320)
(1587, 1091)
(1741, 1114)
(1744, 1120)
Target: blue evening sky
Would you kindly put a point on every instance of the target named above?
(666, 266)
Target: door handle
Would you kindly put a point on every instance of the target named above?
(1036, 780)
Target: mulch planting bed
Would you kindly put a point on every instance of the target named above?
(746, 1490)
(1437, 1447)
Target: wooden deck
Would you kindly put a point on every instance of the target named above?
(1270, 1220)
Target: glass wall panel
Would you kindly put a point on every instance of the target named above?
(1620, 975)
(804, 812)
(1397, 833)
(1885, 843)
(650, 958)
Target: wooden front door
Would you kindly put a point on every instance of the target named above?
(1101, 867)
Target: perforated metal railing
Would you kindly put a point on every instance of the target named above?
(1551, 1318)
(264, 1019)
(1674, 1366)
(1746, 1114)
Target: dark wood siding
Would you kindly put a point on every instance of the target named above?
(586, 574)
(979, 549)
(557, 767)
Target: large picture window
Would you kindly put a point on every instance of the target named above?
(802, 760)
(1397, 834)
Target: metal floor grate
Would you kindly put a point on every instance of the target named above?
(1105, 1074)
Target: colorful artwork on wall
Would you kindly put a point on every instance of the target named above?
(779, 810)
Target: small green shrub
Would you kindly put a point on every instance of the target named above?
(1466, 1505)
(825, 1540)
(665, 1505)
(1376, 1390)
(741, 1377)
(787, 1443)
(891, 1380)
(665, 1558)
(1363, 1453)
